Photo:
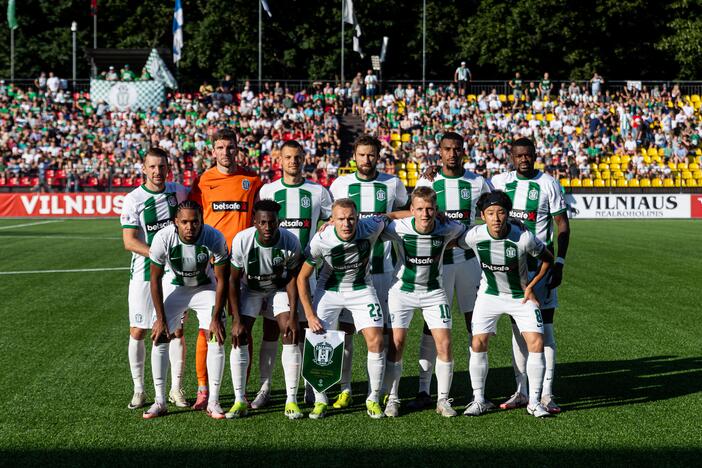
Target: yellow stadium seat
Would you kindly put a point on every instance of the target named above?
(597, 175)
(401, 166)
(656, 183)
(615, 159)
(698, 152)
(406, 137)
(690, 183)
(668, 183)
(693, 166)
(682, 166)
(647, 160)
(395, 137)
(645, 183)
(503, 98)
(661, 152)
(604, 166)
(621, 183)
(672, 166)
(550, 117)
(472, 97)
(686, 175)
(412, 175)
(599, 183)
(618, 175)
(625, 159)
(607, 159)
(605, 175)
(411, 166)
(530, 116)
(652, 152)
(697, 174)
(402, 174)
(565, 182)
(633, 183)
(593, 167)
(614, 166)
(539, 165)
(695, 98)
(510, 98)
(575, 183)
(643, 152)
(404, 181)
(587, 183)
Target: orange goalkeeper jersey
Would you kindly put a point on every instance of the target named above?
(227, 200)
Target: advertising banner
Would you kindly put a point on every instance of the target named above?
(61, 205)
(629, 206)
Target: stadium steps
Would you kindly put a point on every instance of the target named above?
(351, 126)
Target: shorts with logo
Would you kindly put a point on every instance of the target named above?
(363, 306)
(489, 309)
(381, 283)
(141, 306)
(548, 298)
(178, 299)
(463, 279)
(269, 305)
(434, 306)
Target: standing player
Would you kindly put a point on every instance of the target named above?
(506, 288)
(457, 191)
(374, 193)
(302, 205)
(226, 193)
(147, 209)
(537, 201)
(188, 248)
(344, 252)
(265, 261)
(421, 241)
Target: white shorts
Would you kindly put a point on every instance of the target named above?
(463, 279)
(548, 298)
(178, 299)
(433, 305)
(363, 306)
(141, 307)
(254, 303)
(489, 309)
(381, 283)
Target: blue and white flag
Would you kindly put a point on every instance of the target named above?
(177, 32)
(267, 8)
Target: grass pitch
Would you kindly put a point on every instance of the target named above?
(629, 380)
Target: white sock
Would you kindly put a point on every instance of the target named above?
(427, 356)
(376, 371)
(535, 371)
(292, 360)
(137, 354)
(239, 361)
(444, 377)
(470, 350)
(176, 354)
(393, 372)
(519, 358)
(347, 370)
(550, 358)
(478, 368)
(215, 370)
(320, 397)
(266, 363)
(159, 370)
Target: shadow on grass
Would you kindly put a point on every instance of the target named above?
(332, 457)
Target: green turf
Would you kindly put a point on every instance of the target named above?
(629, 377)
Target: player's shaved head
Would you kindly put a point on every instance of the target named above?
(345, 203)
(266, 220)
(345, 218)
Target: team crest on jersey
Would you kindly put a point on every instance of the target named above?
(380, 195)
(171, 200)
(277, 261)
(305, 202)
(436, 242)
(323, 353)
(202, 257)
(533, 194)
(511, 252)
(245, 184)
(465, 194)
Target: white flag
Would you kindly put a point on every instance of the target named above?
(357, 46)
(350, 18)
(159, 71)
(177, 32)
(267, 8)
(348, 12)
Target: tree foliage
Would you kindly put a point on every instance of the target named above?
(621, 39)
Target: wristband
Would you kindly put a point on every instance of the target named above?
(560, 260)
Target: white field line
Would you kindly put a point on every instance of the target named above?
(17, 236)
(37, 223)
(82, 270)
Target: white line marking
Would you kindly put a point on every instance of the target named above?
(82, 270)
(19, 236)
(32, 224)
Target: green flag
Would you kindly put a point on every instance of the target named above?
(11, 19)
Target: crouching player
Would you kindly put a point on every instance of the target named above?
(502, 248)
(265, 260)
(344, 251)
(186, 248)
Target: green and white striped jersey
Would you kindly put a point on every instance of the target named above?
(345, 265)
(373, 197)
(456, 197)
(301, 206)
(266, 268)
(189, 263)
(421, 264)
(503, 261)
(534, 201)
(148, 212)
